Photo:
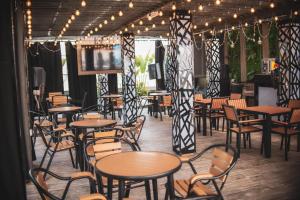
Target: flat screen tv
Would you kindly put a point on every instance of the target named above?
(99, 59)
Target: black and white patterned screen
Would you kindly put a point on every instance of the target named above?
(182, 72)
(289, 50)
(103, 85)
(129, 79)
(213, 64)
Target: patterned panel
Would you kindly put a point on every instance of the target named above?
(213, 65)
(182, 72)
(129, 79)
(289, 48)
(103, 83)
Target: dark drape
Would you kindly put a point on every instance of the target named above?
(159, 58)
(78, 85)
(112, 83)
(48, 56)
(224, 71)
(12, 152)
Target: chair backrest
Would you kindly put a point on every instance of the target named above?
(139, 124)
(51, 94)
(42, 133)
(230, 113)
(198, 97)
(221, 161)
(119, 101)
(235, 95)
(91, 115)
(167, 100)
(295, 116)
(294, 103)
(59, 100)
(237, 103)
(216, 103)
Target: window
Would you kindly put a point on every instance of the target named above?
(64, 68)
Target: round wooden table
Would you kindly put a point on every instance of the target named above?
(68, 110)
(139, 166)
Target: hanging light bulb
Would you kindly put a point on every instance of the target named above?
(138, 31)
(96, 29)
(220, 19)
(149, 17)
(69, 21)
(276, 18)
(218, 2)
(234, 15)
(105, 22)
(130, 5)
(153, 25)
(64, 29)
(67, 25)
(72, 17)
(77, 12)
(29, 26)
(272, 5)
(168, 34)
(29, 17)
(163, 22)
(296, 13)
(28, 22)
(100, 25)
(195, 27)
(28, 3)
(252, 10)
(112, 18)
(259, 41)
(173, 6)
(200, 7)
(126, 29)
(120, 13)
(246, 24)
(160, 13)
(206, 23)
(141, 22)
(232, 27)
(132, 25)
(28, 12)
(121, 32)
(88, 35)
(146, 29)
(83, 3)
(232, 45)
(189, 1)
(91, 31)
(260, 21)
(30, 37)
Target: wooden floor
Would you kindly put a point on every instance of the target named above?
(254, 177)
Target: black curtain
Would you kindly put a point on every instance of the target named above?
(224, 71)
(78, 85)
(159, 58)
(12, 144)
(48, 56)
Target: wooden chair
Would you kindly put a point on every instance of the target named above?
(235, 96)
(288, 129)
(166, 103)
(103, 145)
(198, 97)
(59, 100)
(207, 185)
(56, 140)
(51, 94)
(215, 112)
(239, 104)
(118, 106)
(294, 103)
(244, 127)
(36, 176)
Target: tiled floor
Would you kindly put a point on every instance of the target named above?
(254, 177)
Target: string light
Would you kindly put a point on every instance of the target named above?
(246, 24)
(67, 25)
(163, 22)
(126, 29)
(260, 21)
(132, 25)
(218, 2)
(121, 32)
(130, 5)
(296, 13)
(105, 22)
(272, 5)
(83, 3)
(276, 18)
(146, 29)
(149, 17)
(153, 25)
(77, 12)
(160, 13)
(195, 26)
(100, 25)
(72, 17)
(96, 29)
(220, 19)
(120, 13)
(141, 22)
(112, 18)
(173, 6)
(252, 10)
(189, 1)
(206, 23)
(28, 12)
(28, 3)
(200, 7)
(138, 31)
(69, 21)
(234, 15)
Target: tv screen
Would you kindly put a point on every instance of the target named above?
(152, 71)
(97, 59)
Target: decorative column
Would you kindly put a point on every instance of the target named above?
(103, 86)
(213, 65)
(289, 53)
(129, 79)
(182, 72)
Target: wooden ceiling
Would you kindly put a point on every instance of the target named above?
(50, 16)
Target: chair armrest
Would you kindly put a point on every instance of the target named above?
(82, 175)
(185, 158)
(279, 123)
(202, 176)
(252, 121)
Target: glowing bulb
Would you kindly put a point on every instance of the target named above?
(252, 10)
(234, 15)
(88, 35)
(130, 4)
(246, 24)
(64, 29)
(72, 17)
(138, 31)
(232, 27)
(296, 13)
(200, 7)
(132, 25)
(189, 1)
(276, 18)
(67, 25)
(28, 22)
(163, 22)
(83, 3)
(69, 21)
(29, 26)
(30, 37)
(29, 17)
(121, 32)
(100, 25)
(105, 21)
(220, 19)
(141, 22)
(272, 5)
(153, 25)
(160, 13)
(260, 21)
(28, 3)
(195, 26)
(96, 29)
(112, 18)
(91, 31)
(60, 36)
(206, 23)
(146, 29)
(28, 12)
(120, 13)
(126, 29)
(77, 12)
(218, 2)
(173, 6)
(149, 17)
(168, 34)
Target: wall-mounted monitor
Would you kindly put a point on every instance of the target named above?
(98, 59)
(154, 71)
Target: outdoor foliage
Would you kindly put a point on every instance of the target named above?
(141, 72)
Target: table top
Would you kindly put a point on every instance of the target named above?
(112, 96)
(160, 94)
(136, 165)
(269, 110)
(204, 101)
(64, 109)
(93, 123)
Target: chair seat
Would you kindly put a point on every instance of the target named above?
(63, 145)
(181, 187)
(45, 123)
(246, 129)
(95, 196)
(290, 131)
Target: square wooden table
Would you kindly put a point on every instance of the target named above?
(204, 103)
(268, 112)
